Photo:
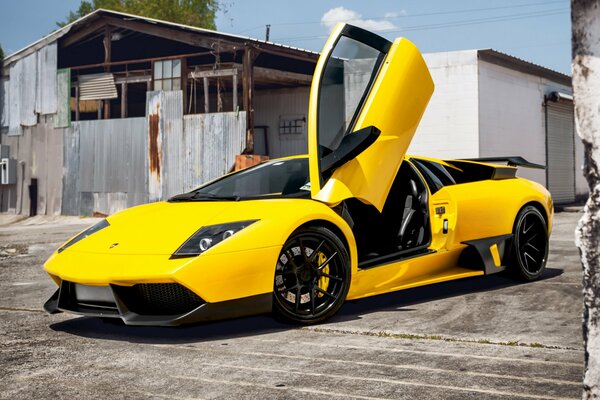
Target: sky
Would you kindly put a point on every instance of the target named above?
(534, 30)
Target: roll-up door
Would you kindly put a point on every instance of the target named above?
(560, 139)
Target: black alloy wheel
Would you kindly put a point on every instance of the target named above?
(312, 276)
(530, 245)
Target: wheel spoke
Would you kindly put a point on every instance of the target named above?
(335, 278)
(312, 300)
(297, 304)
(532, 246)
(525, 257)
(327, 261)
(315, 252)
(318, 289)
(525, 228)
(302, 250)
(291, 259)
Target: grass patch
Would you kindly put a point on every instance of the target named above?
(411, 336)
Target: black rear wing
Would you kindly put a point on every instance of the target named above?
(512, 161)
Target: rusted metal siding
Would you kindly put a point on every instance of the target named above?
(184, 152)
(105, 163)
(165, 137)
(269, 106)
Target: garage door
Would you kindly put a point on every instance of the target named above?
(560, 136)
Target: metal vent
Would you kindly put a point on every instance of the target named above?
(97, 87)
(159, 298)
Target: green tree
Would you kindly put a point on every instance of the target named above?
(1, 54)
(200, 13)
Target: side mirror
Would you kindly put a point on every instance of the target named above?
(351, 146)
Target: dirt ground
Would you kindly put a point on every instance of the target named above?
(480, 338)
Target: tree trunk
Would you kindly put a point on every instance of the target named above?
(585, 16)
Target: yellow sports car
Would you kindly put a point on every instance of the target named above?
(298, 236)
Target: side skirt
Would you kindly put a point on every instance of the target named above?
(491, 250)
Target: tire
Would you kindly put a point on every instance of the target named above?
(529, 250)
(312, 277)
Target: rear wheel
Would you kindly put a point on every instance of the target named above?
(312, 276)
(530, 245)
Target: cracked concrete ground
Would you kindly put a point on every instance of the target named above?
(488, 337)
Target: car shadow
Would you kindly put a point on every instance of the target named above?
(402, 300)
(264, 324)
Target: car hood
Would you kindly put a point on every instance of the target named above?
(161, 228)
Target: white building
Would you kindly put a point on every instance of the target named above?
(489, 104)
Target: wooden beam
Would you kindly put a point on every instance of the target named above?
(141, 60)
(200, 39)
(74, 37)
(133, 79)
(250, 55)
(275, 75)
(290, 53)
(213, 73)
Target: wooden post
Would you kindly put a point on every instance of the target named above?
(235, 97)
(124, 100)
(206, 103)
(107, 59)
(248, 86)
(184, 82)
(77, 102)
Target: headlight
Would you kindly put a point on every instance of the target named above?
(209, 236)
(100, 225)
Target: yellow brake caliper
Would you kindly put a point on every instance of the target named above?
(323, 281)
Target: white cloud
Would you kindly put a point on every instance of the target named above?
(394, 14)
(341, 14)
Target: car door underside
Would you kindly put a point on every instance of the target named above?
(401, 230)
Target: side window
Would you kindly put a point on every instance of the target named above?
(432, 180)
(440, 171)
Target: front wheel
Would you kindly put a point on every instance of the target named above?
(530, 245)
(312, 276)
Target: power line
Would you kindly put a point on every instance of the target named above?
(471, 10)
(452, 24)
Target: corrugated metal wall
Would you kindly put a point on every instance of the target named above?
(32, 88)
(39, 152)
(114, 164)
(184, 152)
(560, 145)
(211, 143)
(105, 166)
(4, 104)
(269, 106)
(45, 100)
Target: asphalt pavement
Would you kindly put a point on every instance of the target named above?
(479, 338)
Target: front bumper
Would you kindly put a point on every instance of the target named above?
(165, 304)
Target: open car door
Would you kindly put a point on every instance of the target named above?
(367, 98)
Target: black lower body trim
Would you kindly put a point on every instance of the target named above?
(65, 299)
(482, 247)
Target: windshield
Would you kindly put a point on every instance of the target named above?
(346, 79)
(277, 178)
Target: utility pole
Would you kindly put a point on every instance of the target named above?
(585, 16)
(268, 32)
